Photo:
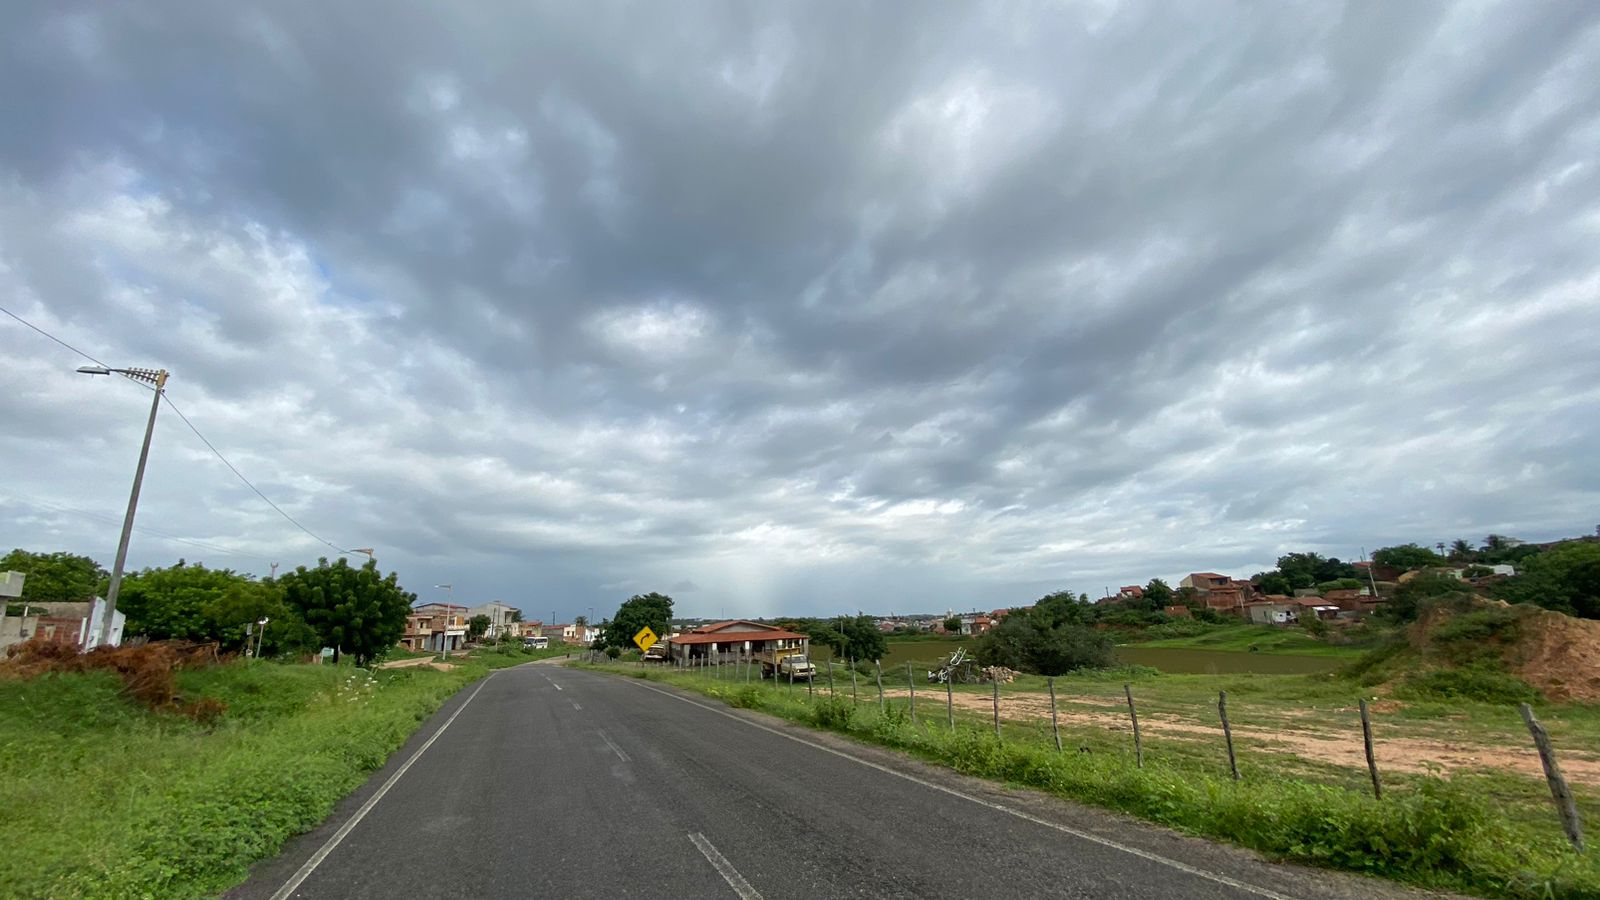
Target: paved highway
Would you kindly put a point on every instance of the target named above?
(543, 781)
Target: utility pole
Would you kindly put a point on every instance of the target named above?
(444, 631)
(1371, 579)
(158, 379)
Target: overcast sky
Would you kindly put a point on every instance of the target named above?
(801, 308)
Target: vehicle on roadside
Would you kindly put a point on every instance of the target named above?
(788, 662)
(656, 653)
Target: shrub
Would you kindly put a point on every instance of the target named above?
(833, 713)
(1480, 683)
(613, 652)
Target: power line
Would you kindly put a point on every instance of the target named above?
(142, 529)
(246, 481)
(212, 447)
(51, 336)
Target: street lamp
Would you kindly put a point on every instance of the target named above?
(261, 633)
(158, 379)
(444, 632)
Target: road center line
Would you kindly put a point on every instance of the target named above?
(576, 706)
(613, 745)
(724, 868)
(345, 829)
(557, 686)
(1028, 817)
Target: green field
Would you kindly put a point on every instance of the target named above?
(103, 798)
(1258, 639)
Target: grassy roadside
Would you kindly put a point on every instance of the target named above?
(1257, 639)
(1428, 831)
(105, 799)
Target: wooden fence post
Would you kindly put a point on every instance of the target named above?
(878, 664)
(1227, 732)
(1055, 725)
(950, 698)
(853, 697)
(996, 684)
(911, 682)
(1559, 792)
(830, 676)
(1138, 745)
(1372, 761)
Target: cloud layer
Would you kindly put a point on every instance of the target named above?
(802, 309)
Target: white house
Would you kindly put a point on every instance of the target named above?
(500, 616)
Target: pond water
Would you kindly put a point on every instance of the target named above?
(1177, 660)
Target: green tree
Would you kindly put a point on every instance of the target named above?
(477, 626)
(856, 637)
(1271, 583)
(55, 577)
(1565, 578)
(1158, 593)
(1411, 593)
(952, 625)
(1406, 556)
(352, 610)
(1461, 551)
(1053, 638)
(243, 604)
(650, 610)
(175, 603)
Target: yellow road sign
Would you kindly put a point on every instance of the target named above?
(645, 638)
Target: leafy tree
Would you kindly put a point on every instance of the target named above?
(1053, 638)
(243, 605)
(953, 624)
(1411, 593)
(1304, 570)
(1272, 583)
(516, 615)
(583, 622)
(1565, 578)
(477, 626)
(855, 637)
(1406, 556)
(1496, 543)
(55, 577)
(651, 610)
(1159, 593)
(1341, 584)
(352, 610)
(173, 603)
(1461, 551)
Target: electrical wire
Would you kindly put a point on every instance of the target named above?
(212, 447)
(142, 529)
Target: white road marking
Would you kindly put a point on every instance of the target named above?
(557, 686)
(345, 829)
(613, 745)
(724, 868)
(1084, 835)
(576, 706)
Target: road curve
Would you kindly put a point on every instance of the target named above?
(543, 781)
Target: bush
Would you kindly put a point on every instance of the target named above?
(1480, 683)
(832, 713)
(613, 652)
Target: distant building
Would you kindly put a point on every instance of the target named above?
(741, 637)
(500, 617)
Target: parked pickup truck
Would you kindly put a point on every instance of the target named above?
(787, 663)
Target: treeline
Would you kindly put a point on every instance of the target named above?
(354, 610)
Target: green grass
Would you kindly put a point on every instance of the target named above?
(1479, 831)
(1259, 639)
(105, 799)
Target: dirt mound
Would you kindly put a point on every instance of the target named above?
(1558, 655)
(1555, 654)
(146, 670)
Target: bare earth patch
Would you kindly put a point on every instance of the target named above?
(1401, 754)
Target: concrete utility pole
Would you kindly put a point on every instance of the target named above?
(444, 630)
(158, 379)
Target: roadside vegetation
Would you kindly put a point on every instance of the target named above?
(1478, 819)
(105, 797)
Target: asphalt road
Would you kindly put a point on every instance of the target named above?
(553, 782)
